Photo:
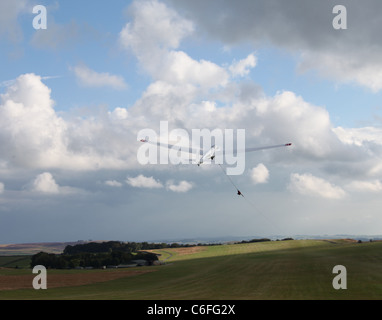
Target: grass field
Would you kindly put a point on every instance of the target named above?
(298, 269)
(22, 261)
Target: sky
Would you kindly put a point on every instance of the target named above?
(75, 96)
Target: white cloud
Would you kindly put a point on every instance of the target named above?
(364, 149)
(34, 136)
(31, 133)
(144, 182)
(119, 114)
(45, 183)
(307, 184)
(113, 183)
(90, 78)
(259, 174)
(154, 26)
(2, 187)
(287, 117)
(242, 67)
(100, 141)
(179, 95)
(359, 136)
(351, 55)
(183, 186)
(374, 186)
(180, 68)
(344, 67)
(155, 31)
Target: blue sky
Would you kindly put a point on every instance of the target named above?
(96, 44)
(75, 96)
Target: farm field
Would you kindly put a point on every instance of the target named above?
(296, 269)
(33, 248)
(16, 261)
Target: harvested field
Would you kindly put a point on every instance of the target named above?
(188, 250)
(14, 282)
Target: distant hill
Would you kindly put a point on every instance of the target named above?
(58, 247)
(232, 239)
(33, 248)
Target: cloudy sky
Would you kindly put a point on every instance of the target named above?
(74, 97)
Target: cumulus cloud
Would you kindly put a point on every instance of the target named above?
(153, 34)
(345, 67)
(154, 26)
(182, 186)
(45, 183)
(31, 132)
(181, 68)
(33, 135)
(196, 93)
(243, 67)
(259, 174)
(90, 78)
(287, 117)
(144, 182)
(374, 186)
(177, 91)
(113, 183)
(363, 149)
(175, 94)
(359, 136)
(303, 28)
(119, 114)
(307, 184)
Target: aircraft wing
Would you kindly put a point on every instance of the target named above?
(267, 147)
(253, 149)
(189, 150)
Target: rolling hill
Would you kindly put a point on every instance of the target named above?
(282, 270)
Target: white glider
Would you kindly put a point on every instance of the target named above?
(211, 153)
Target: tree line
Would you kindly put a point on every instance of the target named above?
(263, 240)
(108, 246)
(109, 253)
(95, 255)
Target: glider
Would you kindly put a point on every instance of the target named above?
(202, 157)
(211, 153)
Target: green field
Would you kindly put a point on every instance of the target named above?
(15, 261)
(298, 269)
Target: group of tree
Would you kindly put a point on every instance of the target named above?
(94, 254)
(256, 240)
(99, 254)
(264, 240)
(109, 246)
